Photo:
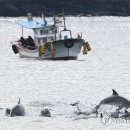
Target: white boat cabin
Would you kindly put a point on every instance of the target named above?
(46, 34)
(43, 32)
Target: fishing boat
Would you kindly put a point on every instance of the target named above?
(52, 40)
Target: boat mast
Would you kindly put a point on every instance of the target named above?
(55, 26)
(64, 21)
(22, 31)
(44, 20)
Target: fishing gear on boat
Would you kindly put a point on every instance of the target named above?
(86, 48)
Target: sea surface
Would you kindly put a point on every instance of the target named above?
(56, 84)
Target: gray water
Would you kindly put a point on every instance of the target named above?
(56, 84)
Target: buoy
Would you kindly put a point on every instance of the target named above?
(53, 49)
(42, 49)
(85, 50)
(15, 49)
(68, 43)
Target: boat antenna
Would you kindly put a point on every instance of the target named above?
(64, 21)
(44, 20)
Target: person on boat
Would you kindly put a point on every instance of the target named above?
(79, 36)
(22, 41)
(30, 42)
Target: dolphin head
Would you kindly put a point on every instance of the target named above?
(7, 111)
(46, 113)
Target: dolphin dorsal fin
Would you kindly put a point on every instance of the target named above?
(126, 112)
(114, 92)
(19, 102)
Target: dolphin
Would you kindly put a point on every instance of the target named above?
(117, 100)
(17, 110)
(45, 112)
(114, 99)
(7, 111)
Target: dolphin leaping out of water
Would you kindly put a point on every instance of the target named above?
(117, 100)
(114, 101)
(17, 110)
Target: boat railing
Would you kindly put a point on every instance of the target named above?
(19, 44)
(66, 36)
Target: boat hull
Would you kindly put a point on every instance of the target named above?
(64, 49)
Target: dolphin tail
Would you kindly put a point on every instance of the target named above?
(114, 92)
(74, 104)
(8, 111)
(19, 102)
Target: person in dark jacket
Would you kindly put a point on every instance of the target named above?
(22, 42)
(30, 42)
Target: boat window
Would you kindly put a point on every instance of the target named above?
(44, 31)
(48, 31)
(54, 30)
(35, 31)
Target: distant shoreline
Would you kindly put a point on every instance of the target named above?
(76, 15)
(69, 16)
(16, 8)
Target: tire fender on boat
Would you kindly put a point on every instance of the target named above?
(14, 48)
(68, 43)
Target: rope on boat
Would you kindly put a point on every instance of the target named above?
(53, 49)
